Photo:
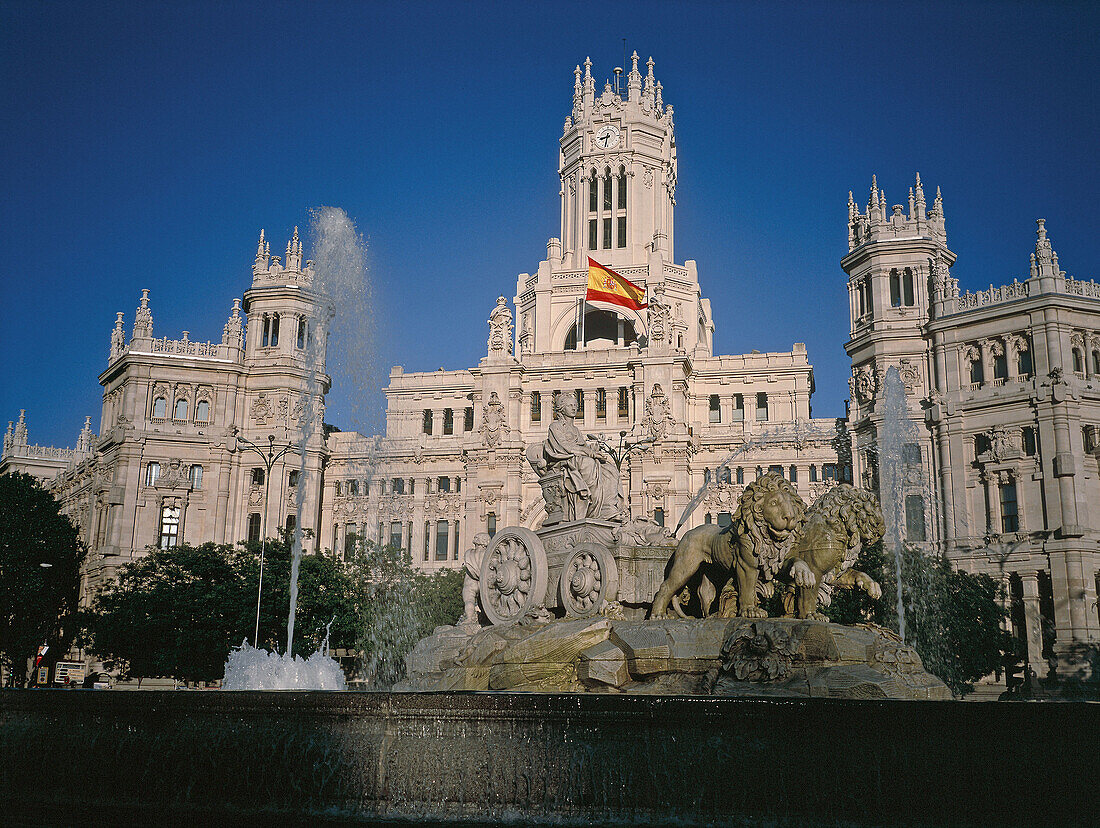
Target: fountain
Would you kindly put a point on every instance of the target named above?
(732, 718)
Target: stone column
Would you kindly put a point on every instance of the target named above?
(1033, 622)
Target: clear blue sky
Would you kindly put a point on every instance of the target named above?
(145, 145)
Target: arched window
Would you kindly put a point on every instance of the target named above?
(1078, 361)
(180, 411)
(254, 527)
(1096, 362)
(977, 373)
(160, 408)
(907, 289)
(196, 477)
(725, 476)
(265, 340)
(620, 204)
(353, 488)
(1023, 363)
(301, 332)
(607, 189)
(274, 329)
(895, 289)
(593, 208)
(152, 472)
(202, 411)
(706, 476)
(1000, 367)
(291, 523)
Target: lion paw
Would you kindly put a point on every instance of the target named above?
(818, 616)
(802, 574)
(754, 612)
(873, 590)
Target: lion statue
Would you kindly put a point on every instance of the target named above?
(828, 543)
(753, 545)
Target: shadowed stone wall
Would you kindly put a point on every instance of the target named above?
(153, 757)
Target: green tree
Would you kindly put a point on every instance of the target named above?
(40, 557)
(952, 618)
(178, 612)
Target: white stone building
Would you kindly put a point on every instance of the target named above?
(1005, 386)
(171, 465)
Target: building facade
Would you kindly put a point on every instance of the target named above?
(174, 460)
(1002, 473)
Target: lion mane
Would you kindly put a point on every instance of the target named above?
(749, 522)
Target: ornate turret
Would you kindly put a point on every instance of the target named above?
(85, 439)
(880, 222)
(232, 332)
(268, 269)
(118, 338)
(143, 319)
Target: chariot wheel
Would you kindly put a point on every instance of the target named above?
(513, 575)
(589, 578)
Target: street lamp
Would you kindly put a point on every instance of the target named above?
(269, 458)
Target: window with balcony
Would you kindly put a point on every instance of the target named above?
(601, 404)
(160, 408)
(738, 407)
(715, 409)
(624, 402)
(202, 411)
(1010, 514)
(762, 407)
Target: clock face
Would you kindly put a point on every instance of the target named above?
(607, 137)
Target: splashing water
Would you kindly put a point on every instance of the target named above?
(249, 668)
(799, 430)
(897, 431)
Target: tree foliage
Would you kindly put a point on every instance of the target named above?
(177, 612)
(952, 618)
(37, 603)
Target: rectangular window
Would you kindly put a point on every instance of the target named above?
(1010, 515)
(607, 192)
(828, 471)
(659, 516)
(292, 479)
(740, 475)
(274, 330)
(593, 231)
(907, 288)
(196, 477)
(914, 518)
(468, 420)
(622, 190)
(455, 546)
(813, 474)
(607, 233)
(895, 289)
(536, 407)
(254, 527)
(448, 421)
(910, 454)
(624, 402)
(427, 539)
(761, 407)
(738, 407)
(724, 519)
(708, 518)
(442, 535)
(792, 474)
(776, 470)
(620, 237)
(169, 526)
(580, 404)
(444, 484)
(715, 409)
(152, 472)
(593, 193)
(395, 535)
(397, 485)
(381, 529)
(301, 343)
(1023, 364)
(351, 538)
(427, 427)
(491, 524)
(601, 404)
(257, 476)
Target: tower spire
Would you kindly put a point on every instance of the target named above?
(143, 318)
(634, 79)
(260, 246)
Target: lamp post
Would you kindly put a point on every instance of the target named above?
(624, 450)
(269, 458)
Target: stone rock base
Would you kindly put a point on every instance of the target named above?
(768, 657)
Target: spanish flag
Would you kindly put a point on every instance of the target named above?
(605, 285)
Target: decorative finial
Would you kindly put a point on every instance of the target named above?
(260, 246)
(1042, 232)
(634, 61)
(658, 102)
(587, 68)
(873, 200)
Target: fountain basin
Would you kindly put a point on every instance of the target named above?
(318, 758)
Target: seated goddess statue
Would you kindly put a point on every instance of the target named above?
(589, 475)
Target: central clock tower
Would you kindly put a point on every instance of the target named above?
(618, 171)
